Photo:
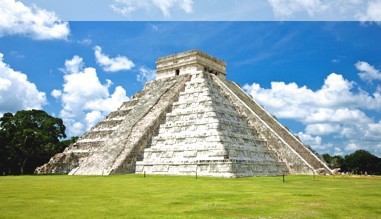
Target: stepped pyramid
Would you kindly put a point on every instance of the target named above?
(190, 120)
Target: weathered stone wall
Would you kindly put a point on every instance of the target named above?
(142, 133)
(205, 134)
(290, 150)
(188, 62)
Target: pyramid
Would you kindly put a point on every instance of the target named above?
(189, 121)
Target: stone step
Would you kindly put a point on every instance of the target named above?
(205, 146)
(107, 125)
(96, 135)
(118, 115)
(203, 103)
(202, 125)
(205, 109)
(85, 145)
(222, 135)
(203, 117)
(187, 131)
(128, 105)
(211, 141)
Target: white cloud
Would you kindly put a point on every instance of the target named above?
(73, 65)
(85, 100)
(85, 41)
(367, 71)
(337, 151)
(373, 131)
(341, 115)
(294, 102)
(322, 129)
(146, 74)
(110, 103)
(338, 110)
(16, 91)
(286, 8)
(40, 24)
(108, 64)
(363, 10)
(93, 118)
(372, 13)
(126, 7)
(309, 139)
(351, 147)
(56, 93)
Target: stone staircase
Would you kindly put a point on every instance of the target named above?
(122, 135)
(289, 149)
(205, 134)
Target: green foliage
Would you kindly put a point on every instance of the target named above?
(133, 196)
(28, 139)
(333, 162)
(359, 162)
(362, 161)
(66, 143)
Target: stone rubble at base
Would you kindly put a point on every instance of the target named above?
(189, 121)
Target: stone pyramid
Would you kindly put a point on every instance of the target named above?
(189, 121)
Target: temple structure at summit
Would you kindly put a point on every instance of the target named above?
(190, 120)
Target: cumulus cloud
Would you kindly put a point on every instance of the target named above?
(110, 103)
(56, 93)
(363, 10)
(337, 151)
(16, 91)
(323, 129)
(146, 74)
(336, 110)
(39, 24)
(126, 7)
(367, 71)
(352, 147)
(342, 115)
(372, 12)
(93, 118)
(108, 64)
(285, 8)
(309, 139)
(85, 100)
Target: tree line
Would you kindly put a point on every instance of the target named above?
(359, 162)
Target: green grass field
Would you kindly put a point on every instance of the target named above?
(133, 196)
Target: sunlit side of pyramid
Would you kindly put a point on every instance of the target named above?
(189, 121)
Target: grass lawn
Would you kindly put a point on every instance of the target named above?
(133, 196)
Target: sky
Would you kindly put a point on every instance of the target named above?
(317, 72)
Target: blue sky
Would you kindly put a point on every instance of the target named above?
(213, 10)
(320, 79)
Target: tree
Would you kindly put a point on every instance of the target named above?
(333, 161)
(362, 161)
(336, 162)
(66, 143)
(28, 139)
(327, 158)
